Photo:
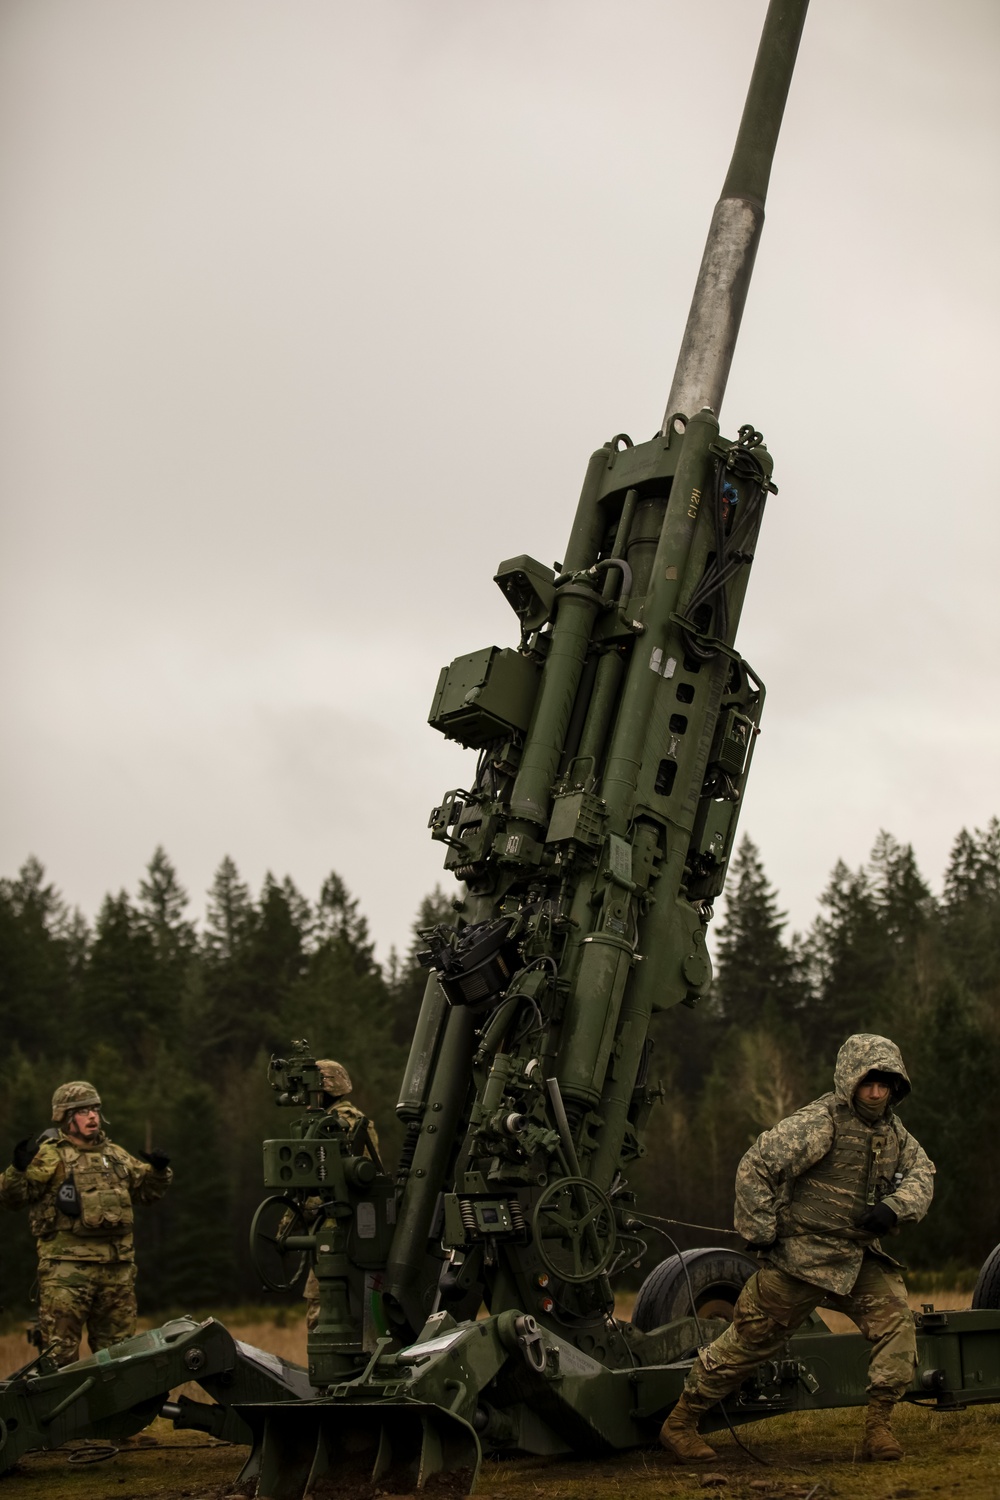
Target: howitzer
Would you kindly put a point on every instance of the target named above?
(614, 742)
(613, 746)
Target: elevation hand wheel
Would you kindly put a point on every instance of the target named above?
(279, 1265)
(574, 1229)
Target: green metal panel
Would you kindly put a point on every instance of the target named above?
(485, 695)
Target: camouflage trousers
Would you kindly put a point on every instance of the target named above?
(773, 1304)
(311, 1293)
(72, 1293)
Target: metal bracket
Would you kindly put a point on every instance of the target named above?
(529, 1338)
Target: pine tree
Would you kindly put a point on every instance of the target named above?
(903, 900)
(227, 948)
(847, 965)
(953, 1060)
(229, 916)
(971, 908)
(907, 916)
(28, 1079)
(162, 903)
(755, 971)
(275, 965)
(186, 1253)
(122, 984)
(337, 923)
(43, 948)
(973, 871)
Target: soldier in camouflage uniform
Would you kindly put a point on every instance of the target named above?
(79, 1189)
(812, 1197)
(336, 1083)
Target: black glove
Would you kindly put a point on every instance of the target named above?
(158, 1160)
(877, 1219)
(24, 1153)
(760, 1247)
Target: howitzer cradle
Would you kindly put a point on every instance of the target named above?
(614, 744)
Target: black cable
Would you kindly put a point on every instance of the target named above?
(621, 1334)
(99, 1453)
(729, 556)
(96, 1455)
(687, 1224)
(702, 1340)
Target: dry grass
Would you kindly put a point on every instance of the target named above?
(809, 1456)
(943, 1301)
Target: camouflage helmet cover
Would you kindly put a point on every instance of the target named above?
(336, 1079)
(75, 1095)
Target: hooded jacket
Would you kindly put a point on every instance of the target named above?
(804, 1184)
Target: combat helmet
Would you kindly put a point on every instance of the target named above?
(71, 1096)
(336, 1079)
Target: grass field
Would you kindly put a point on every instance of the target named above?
(812, 1456)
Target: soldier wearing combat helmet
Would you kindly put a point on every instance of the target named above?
(79, 1188)
(336, 1085)
(813, 1195)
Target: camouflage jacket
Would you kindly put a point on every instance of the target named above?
(348, 1114)
(802, 1186)
(107, 1180)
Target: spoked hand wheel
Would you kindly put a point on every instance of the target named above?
(574, 1229)
(279, 1265)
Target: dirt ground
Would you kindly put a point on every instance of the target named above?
(811, 1456)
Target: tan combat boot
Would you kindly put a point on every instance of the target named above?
(679, 1434)
(880, 1446)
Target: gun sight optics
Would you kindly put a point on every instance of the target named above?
(297, 1080)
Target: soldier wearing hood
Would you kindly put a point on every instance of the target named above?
(79, 1189)
(813, 1195)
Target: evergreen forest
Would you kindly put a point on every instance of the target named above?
(174, 1021)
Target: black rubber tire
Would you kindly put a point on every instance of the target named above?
(716, 1277)
(987, 1292)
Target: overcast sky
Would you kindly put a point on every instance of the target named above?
(312, 312)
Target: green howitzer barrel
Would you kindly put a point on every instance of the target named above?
(713, 323)
(614, 747)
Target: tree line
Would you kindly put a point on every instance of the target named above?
(174, 1022)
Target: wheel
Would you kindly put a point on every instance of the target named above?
(279, 1265)
(987, 1292)
(716, 1278)
(573, 1227)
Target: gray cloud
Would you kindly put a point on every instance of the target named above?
(310, 314)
